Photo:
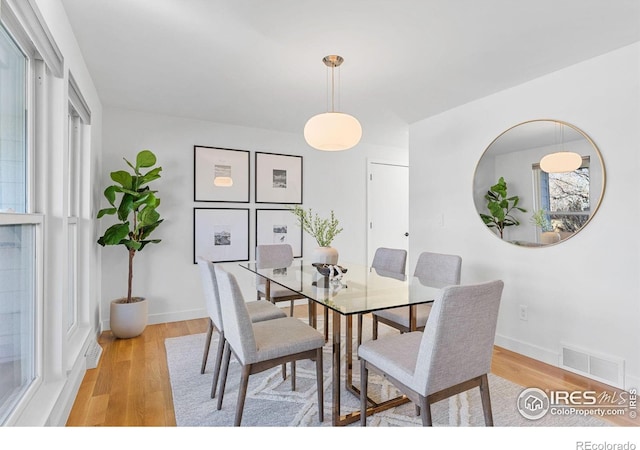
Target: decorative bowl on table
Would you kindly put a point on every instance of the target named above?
(325, 269)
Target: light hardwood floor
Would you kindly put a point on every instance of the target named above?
(130, 386)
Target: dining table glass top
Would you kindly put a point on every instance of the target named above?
(359, 290)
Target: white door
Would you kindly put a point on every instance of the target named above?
(387, 206)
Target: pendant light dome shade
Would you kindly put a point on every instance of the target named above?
(332, 131)
(560, 162)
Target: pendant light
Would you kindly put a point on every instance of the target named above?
(332, 131)
(562, 161)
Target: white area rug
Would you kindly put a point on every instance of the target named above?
(271, 403)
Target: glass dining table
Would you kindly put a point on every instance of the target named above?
(357, 290)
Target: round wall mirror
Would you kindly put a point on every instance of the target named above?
(539, 183)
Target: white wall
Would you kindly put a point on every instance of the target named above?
(165, 272)
(583, 292)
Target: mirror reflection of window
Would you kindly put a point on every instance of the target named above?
(564, 197)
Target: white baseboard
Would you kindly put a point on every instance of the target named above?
(532, 351)
(167, 317)
(551, 357)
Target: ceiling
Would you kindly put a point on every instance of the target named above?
(258, 63)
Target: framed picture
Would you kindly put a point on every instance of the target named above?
(220, 175)
(221, 234)
(278, 178)
(279, 226)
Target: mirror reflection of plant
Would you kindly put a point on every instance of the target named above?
(541, 219)
(323, 231)
(500, 208)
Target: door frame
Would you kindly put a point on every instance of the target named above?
(386, 162)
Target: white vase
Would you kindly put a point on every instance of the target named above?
(324, 255)
(549, 237)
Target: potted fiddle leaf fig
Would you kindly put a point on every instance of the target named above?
(501, 208)
(135, 205)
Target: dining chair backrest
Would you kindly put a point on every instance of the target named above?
(210, 288)
(272, 256)
(438, 268)
(277, 256)
(238, 329)
(390, 260)
(457, 344)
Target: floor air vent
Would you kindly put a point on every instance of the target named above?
(92, 355)
(606, 369)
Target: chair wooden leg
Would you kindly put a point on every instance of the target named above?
(225, 369)
(242, 394)
(360, 322)
(425, 412)
(311, 311)
(486, 400)
(375, 327)
(364, 381)
(291, 309)
(216, 369)
(207, 344)
(293, 375)
(320, 384)
(326, 324)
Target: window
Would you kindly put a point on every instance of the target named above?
(13, 126)
(564, 197)
(18, 232)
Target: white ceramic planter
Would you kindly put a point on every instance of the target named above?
(128, 320)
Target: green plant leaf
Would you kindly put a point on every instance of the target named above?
(126, 207)
(131, 244)
(110, 194)
(152, 241)
(114, 234)
(109, 211)
(123, 178)
(146, 230)
(145, 158)
(147, 216)
(153, 174)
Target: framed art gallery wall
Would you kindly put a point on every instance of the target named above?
(278, 178)
(221, 175)
(278, 226)
(225, 233)
(221, 234)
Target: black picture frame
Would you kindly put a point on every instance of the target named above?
(225, 164)
(221, 234)
(278, 226)
(278, 178)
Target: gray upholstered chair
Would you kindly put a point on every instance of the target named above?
(387, 262)
(452, 355)
(436, 269)
(279, 256)
(258, 311)
(275, 256)
(392, 260)
(262, 345)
